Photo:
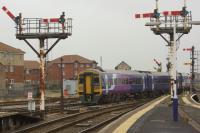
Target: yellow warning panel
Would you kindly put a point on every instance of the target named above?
(88, 84)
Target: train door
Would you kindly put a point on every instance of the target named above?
(89, 87)
(88, 84)
(149, 82)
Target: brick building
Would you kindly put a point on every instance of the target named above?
(13, 61)
(2, 77)
(31, 72)
(72, 65)
(123, 66)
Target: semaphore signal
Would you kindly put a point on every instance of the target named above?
(41, 29)
(170, 23)
(164, 13)
(10, 14)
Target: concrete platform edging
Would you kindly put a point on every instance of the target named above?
(189, 120)
(187, 102)
(192, 97)
(124, 127)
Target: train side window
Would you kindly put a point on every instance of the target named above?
(126, 81)
(123, 81)
(115, 81)
(131, 81)
(138, 81)
(109, 83)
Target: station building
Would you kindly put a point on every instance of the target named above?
(123, 66)
(13, 61)
(17, 73)
(2, 78)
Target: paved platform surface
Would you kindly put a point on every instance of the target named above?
(193, 112)
(160, 120)
(6, 114)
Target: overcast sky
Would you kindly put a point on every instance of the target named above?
(104, 28)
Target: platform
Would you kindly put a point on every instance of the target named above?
(157, 119)
(160, 120)
(7, 114)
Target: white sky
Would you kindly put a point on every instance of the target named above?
(104, 28)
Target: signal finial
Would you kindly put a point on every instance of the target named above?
(184, 3)
(157, 4)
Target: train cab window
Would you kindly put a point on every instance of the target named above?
(81, 79)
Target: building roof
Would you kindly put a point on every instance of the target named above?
(122, 63)
(30, 64)
(6, 48)
(72, 59)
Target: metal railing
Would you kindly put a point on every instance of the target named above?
(168, 21)
(38, 26)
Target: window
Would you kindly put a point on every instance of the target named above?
(81, 79)
(1, 68)
(94, 65)
(11, 68)
(27, 71)
(82, 65)
(139, 81)
(75, 65)
(35, 71)
(115, 82)
(35, 82)
(6, 69)
(110, 83)
(28, 82)
(63, 65)
(95, 80)
(88, 65)
(12, 81)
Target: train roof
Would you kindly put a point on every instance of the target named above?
(129, 72)
(160, 73)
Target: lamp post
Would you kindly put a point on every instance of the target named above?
(61, 86)
(192, 50)
(173, 75)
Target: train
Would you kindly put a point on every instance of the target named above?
(98, 86)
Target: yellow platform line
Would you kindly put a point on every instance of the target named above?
(123, 128)
(187, 102)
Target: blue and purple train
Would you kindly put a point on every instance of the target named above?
(95, 86)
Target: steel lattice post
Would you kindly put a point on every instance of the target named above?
(42, 78)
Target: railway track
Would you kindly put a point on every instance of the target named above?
(86, 121)
(23, 102)
(52, 105)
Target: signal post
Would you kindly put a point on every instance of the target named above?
(170, 23)
(41, 29)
